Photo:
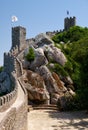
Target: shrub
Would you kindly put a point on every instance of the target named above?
(31, 55)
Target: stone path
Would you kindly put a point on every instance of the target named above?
(53, 120)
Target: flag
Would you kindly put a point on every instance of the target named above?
(14, 19)
(67, 12)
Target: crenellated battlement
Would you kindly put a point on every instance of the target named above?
(9, 62)
(51, 34)
(14, 50)
(69, 22)
(7, 100)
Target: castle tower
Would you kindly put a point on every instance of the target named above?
(18, 37)
(69, 22)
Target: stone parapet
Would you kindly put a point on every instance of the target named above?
(9, 62)
(15, 117)
(7, 100)
(14, 50)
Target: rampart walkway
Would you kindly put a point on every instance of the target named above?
(53, 120)
(17, 105)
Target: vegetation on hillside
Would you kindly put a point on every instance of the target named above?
(73, 34)
(75, 47)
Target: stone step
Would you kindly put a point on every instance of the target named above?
(51, 107)
(30, 108)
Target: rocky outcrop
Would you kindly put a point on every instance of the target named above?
(46, 87)
(55, 55)
(68, 82)
(36, 87)
(53, 84)
(42, 84)
(49, 81)
(45, 52)
(41, 40)
(39, 60)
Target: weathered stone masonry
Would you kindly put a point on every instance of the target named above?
(18, 37)
(13, 109)
(13, 106)
(69, 22)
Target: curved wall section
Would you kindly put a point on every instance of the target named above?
(15, 116)
(7, 100)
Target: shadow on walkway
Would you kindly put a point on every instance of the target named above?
(67, 120)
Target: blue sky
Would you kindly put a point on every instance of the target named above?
(38, 16)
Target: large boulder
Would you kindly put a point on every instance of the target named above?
(52, 80)
(53, 83)
(39, 60)
(35, 86)
(42, 39)
(68, 82)
(49, 80)
(55, 54)
(5, 84)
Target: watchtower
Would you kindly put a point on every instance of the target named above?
(18, 37)
(69, 22)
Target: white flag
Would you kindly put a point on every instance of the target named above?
(14, 19)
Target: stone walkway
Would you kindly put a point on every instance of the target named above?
(53, 120)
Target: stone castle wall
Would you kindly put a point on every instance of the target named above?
(15, 118)
(9, 62)
(69, 22)
(13, 113)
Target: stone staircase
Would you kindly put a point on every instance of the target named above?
(44, 107)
